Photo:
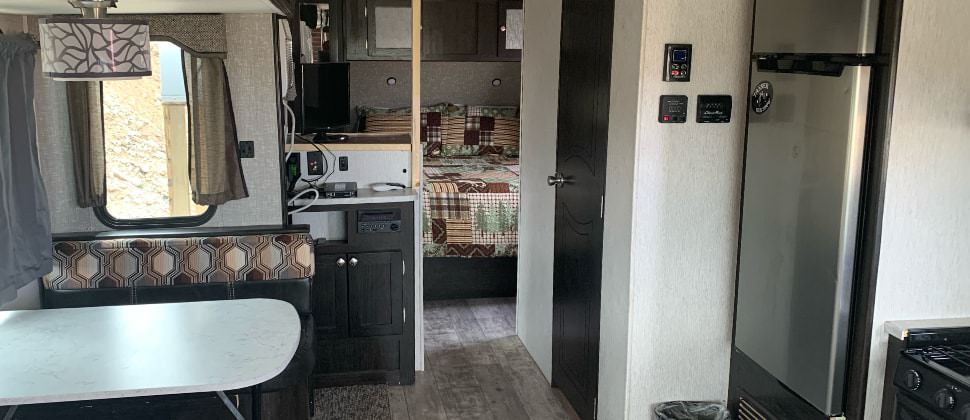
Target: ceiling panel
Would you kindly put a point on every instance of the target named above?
(48, 7)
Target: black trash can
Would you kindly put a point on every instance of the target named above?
(692, 410)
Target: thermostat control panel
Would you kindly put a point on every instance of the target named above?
(677, 63)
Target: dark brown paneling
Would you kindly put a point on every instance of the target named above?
(457, 30)
(359, 355)
(469, 278)
(330, 296)
(376, 294)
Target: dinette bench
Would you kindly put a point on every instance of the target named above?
(186, 265)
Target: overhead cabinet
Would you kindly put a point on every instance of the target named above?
(452, 30)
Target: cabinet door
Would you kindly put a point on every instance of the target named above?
(459, 29)
(330, 296)
(511, 22)
(378, 29)
(389, 28)
(376, 285)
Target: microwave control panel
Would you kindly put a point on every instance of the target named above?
(677, 62)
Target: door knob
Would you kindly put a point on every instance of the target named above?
(353, 262)
(341, 262)
(558, 180)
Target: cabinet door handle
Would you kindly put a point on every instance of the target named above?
(341, 262)
(353, 262)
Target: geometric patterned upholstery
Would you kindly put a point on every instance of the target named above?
(147, 262)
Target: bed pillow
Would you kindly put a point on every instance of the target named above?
(377, 120)
(486, 130)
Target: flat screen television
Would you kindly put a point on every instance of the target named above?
(325, 97)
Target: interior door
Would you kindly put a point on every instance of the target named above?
(584, 99)
(376, 286)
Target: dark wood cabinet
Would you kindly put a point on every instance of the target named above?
(363, 291)
(376, 294)
(330, 296)
(510, 24)
(458, 30)
(452, 30)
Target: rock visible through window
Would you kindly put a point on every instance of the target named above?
(146, 141)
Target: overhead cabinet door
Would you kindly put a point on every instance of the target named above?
(451, 30)
(376, 285)
(459, 29)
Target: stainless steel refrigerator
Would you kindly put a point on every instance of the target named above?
(807, 126)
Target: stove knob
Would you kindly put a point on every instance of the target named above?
(945, 399)
(913, 380)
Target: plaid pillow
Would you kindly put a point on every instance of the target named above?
(387, 122)
(431, 133)
(484, 135)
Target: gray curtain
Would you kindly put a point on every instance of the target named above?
(215, 171)
(87, 143)
(25, 237)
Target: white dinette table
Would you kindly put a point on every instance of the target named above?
(76, 354)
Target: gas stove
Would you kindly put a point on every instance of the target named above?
(932, 378)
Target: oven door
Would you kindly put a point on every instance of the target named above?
(908, 409)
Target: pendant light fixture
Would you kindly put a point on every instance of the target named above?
(93, 47)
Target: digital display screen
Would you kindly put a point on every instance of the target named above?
(680, 55)
(325, 96)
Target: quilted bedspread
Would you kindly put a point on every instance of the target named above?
(471, 206)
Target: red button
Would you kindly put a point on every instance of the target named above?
(675, 73)
(666, 118)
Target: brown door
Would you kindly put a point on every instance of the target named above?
(584, 102)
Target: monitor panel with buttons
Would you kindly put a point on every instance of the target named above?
(677, 63)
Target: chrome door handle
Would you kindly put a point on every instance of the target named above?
(341, 262)
(353, 262)
(558, 180)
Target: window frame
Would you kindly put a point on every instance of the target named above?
(105, 217)
(101, 212)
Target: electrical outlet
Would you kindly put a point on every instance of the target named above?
(247, 149)
(343, 164)
(314, 163)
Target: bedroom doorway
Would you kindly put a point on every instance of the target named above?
(470, 96)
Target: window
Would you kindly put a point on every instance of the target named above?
(146, 130)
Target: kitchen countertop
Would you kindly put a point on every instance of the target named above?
(364, 196)
(900, 329)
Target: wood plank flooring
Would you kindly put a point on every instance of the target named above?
(476, 368)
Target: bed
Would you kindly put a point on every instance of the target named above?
(470, 195)
(471, 206)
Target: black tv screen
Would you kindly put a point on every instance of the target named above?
(325, 97)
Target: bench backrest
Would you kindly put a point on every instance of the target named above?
(133, 270)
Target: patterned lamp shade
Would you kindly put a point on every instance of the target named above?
(94, 49)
